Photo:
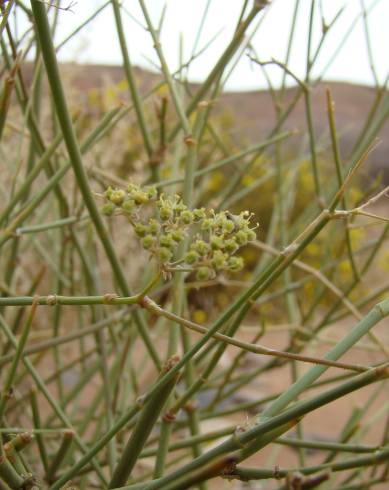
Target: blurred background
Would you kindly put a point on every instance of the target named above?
(343, 57)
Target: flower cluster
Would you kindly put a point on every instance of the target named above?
(214, 237)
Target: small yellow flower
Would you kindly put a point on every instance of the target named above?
(247, 180)
(313, 249)
(199, 316)
(357, 236)
(384, 261)
(345, 267)
(215, 182)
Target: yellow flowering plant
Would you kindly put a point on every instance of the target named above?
(215, 237)
(115, 373)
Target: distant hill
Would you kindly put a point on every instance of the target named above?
(255, 113)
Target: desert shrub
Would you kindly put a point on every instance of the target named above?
(181, 306)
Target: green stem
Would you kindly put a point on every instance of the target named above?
(222, 62)
(37, 428)
(41, 385)
(147, 419)
(61, 454)
(50, 60)
(136, 99)
(8, 385)
(247, 474)
(53, 299)
(250, 434)
(380, 311)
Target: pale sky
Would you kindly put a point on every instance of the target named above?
(98, 43)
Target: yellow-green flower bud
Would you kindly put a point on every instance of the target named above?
(148, 241)
(220, 219)
(228, 226)
(141, 229)
(251, 235)
(192, 257)
(108, 208)
(152, 192)
(231, 246)
(241, 237)
(164, 254)
(186, 217)
(128, 205)
(217, 242)
(207, 224)
(180, 207)
(198, 214)
(235, 263)
(203, 273)
(167, 241)
(117, 197)
(165, 213)
(177, 235)
(201, 247)
(154, 226)
(219, 260)
(108, 192)
(140, 197)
